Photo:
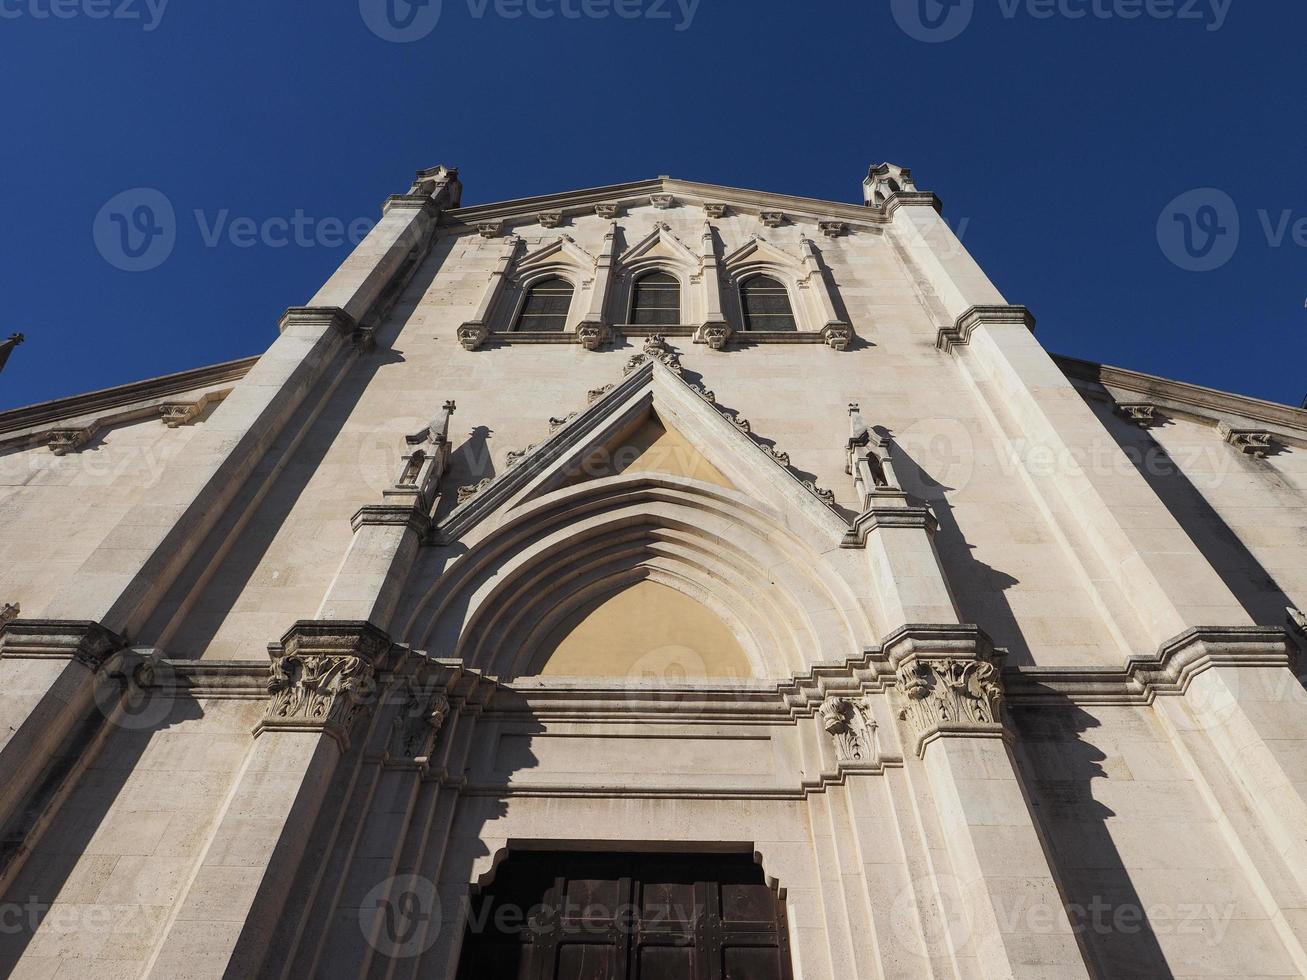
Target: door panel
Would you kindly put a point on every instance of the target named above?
(582, 916)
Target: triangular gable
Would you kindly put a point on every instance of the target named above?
(652, 391)
(562, 251)
(660, 244)
(757, 252)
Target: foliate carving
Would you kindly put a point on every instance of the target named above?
(827, 496)
(772, 219)
(852, 726)
(550, 219)
(608, 211)
(593, 335)
(715, 335)
(594, 394)
(516, 456)
(319, 691)
(467, 493)
(1142, 414)
(8, 613)
(780, 457)
(557, 423)
(1251, 442)
(715, 210)
(837, 336)
(833, 229)
(490, 229)
(472, 335)
(662, 201)
(177, 414)
(417, 724)
(655, 349)
(64, 441)
(950, 696)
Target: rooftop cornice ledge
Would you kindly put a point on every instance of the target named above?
(959, 335)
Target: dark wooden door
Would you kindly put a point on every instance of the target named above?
(578, 916)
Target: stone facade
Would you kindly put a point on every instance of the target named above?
(987, 657)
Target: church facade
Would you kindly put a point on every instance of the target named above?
(663, 580)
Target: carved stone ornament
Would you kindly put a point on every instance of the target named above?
(655, 348)
(593, 335)
(594, 394)
(467, 493)
(490, 229)
(1257, 443)
(950, 696)
(416, 725)
(772, 219)
(177, 414)
(715, 335)
(1142, 414)
(851, 724)
(318, 691)
(838, 336)
(833, 229)
(1297, 619)
(64, 441)
(472, 335)
(550, 219)
(662, 201)
(8, 613)
(828, 496)
(608, 211)
(715, 210)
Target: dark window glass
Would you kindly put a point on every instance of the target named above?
(546, 306)
(767, 305)
(657, 300)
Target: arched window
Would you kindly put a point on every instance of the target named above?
(546, 306)
(766, 305)
(657, 300)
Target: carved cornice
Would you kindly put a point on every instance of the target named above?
(87, 642)
(319, 318)
(1142, 414)
(959, 335)
(324, 676)
(1257, 443)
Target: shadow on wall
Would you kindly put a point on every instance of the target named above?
(978, 589)
(1058, 767)
(1252, 585)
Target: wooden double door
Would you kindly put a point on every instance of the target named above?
(583, 916)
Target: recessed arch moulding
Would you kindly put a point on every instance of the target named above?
(537, 552)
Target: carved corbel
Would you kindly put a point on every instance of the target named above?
(490, 229)
(837, 336)
(593, 336)
(550, 219)
(177, 414)
(772, 219)
(64, 441)
(1257, 443)
(473, 335)
(662, 201)
(607, 211)
(8, 613)
(87, 642)
(323, 678)
(852, 726)
(715, 335)
(1142, 414)
(833, 229)
(715, 211)
(417, 725)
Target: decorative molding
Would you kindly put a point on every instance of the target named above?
(8, 613)
(714, 210)
(177, 414)
(490, 229)
(1297, 620)
(319, 319)
(959, 335)
(662, 202)
(392, 515)
(473, 335)
(593, 336)
(837, 336)
(87, 642)
(323, 677)
(417, 724)
(833, 229)
(608, 211)
(901, 516)
(772, 219)
(1257, 443)
(550, 219)
(467, 493)
(852, 726)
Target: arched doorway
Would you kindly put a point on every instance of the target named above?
(614, 916)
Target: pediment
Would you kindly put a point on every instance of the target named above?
(757, 251)
(652, 421)
(561, 251)
(661, 245)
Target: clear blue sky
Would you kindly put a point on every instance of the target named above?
(1056, 142)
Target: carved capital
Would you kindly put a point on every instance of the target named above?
(323, 678)
(472, 335)
(715, 335)
(592, 335)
